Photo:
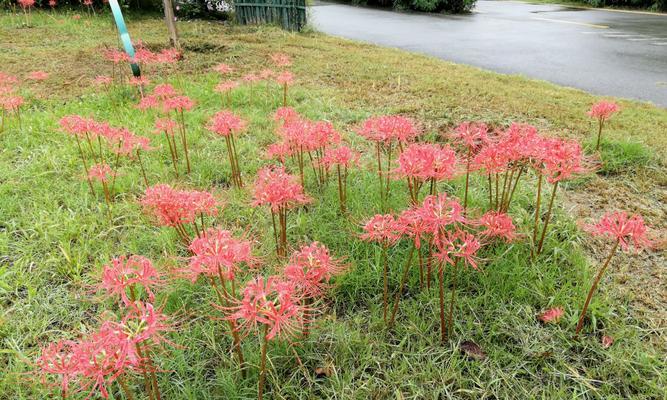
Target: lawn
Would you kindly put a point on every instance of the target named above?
(55, 236)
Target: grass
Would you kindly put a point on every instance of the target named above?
(54, 236)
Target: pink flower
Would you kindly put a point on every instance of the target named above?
(471, 135)
(271, 302)
(311, 268)
(285, 78)
(223, 69)
(280, 151)
(52, 3)
(79, 126)
(341, 155)
(11, 103)
(126, 273)
(223, 87)
(102, 80)
(168, 56)
(423, 161)
(457, 244)
(164, 91)
(603, 110)
(100, 172)
(278, 189)
(26, 3)
(38, 75)
(218, 253)
(281, 60)
(7, 80)
(626, 230)
(411, 223)
(389, 128)
(440, 212)
(266, 74)
(497, 224)
(139, 81)
(285, 114)
(165, 125)
(383, 229)
(225, 123)
(251, 78)
(143, 322)
(178, 103)
(113, 55)
(173, 207)
(59, 359)
(551, 315)
(563, 159)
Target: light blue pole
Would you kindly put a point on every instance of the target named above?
(124, 35)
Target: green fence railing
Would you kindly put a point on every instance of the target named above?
(290, 14)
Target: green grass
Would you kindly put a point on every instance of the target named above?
(55, 236)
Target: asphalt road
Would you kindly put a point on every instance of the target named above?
(604, 52)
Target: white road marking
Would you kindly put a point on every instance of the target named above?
(641, 39)
(616, 35)
(659, 44)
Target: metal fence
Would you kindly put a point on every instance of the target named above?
(290, 14)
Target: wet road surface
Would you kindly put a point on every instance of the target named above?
(604, 52)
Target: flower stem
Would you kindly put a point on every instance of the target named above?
(580, 323)
(385, 276)
(406, 270)
(450, 318)
(547, 218)
(441, 293)
(262, 368)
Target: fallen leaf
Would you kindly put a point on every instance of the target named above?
(472, 350)
(607, 341)
(551, 315)
(322, 372)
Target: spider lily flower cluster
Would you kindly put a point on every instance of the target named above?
(180, 209)
(99, 144)
(120, 347)
(170, 108)
(301, 138)
(226, 124)
(10, 102)
(602, 111)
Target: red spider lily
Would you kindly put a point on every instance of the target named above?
(218, 254)
(311, 268)
(226, 88)
(38, 76)
(281, 60)
(177, 208)
(342, 157)
(385, 230)
(625, 231)
(26, 4)
(273, 304)
(280, 191)
(11, 104)
(471, 136)
(280, 151)
(602, 111)
(53, 3)
(440, 212)
(285, 79)
(284, 114)
(453, 247)
(223, 69)
(250, 79)
(423, 162)
(551, 315)
(102, 173)
(140, 82)
(385, 131)
(58, 359)
(103, 80)
(307, 138)
(168, 127)
(497, 225)
(606, 341)
(126, 273)
(226, 123)
(166, 99)
(116, 57)
(563, 159)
